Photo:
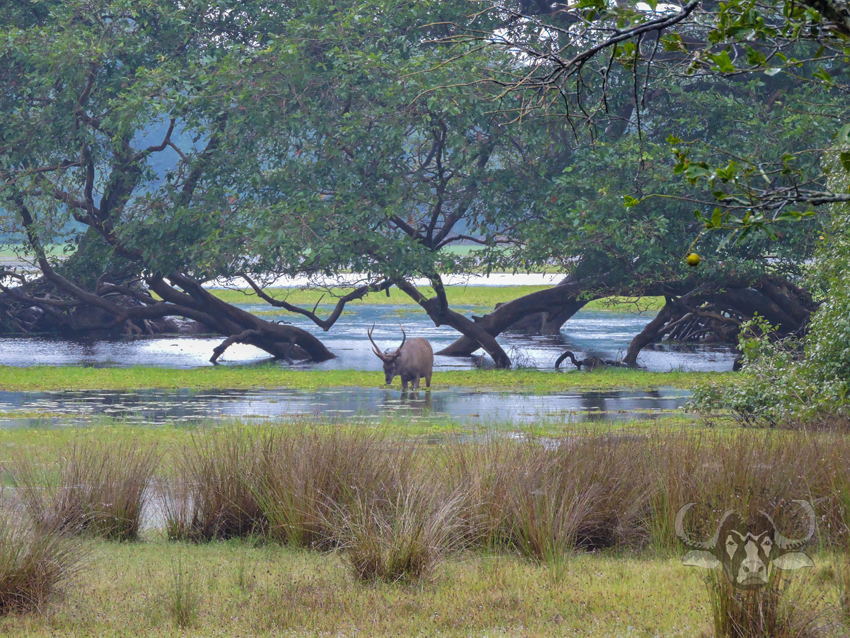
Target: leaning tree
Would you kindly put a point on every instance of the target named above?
(747, 99)
(610, 249)
(130, 150)
(391, 155)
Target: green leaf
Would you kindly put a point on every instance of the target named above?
(630, 201)
(726, 240)
(789, 216)
(823, 75)
(716, 217)
(755, 57)
(673, 42)
(723, 62)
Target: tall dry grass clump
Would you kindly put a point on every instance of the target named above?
(747, 472)
(304, 476)
(100, 488)
(544, 501)
(36, 563)
(402, 537)
(775, 611)
(213, 496)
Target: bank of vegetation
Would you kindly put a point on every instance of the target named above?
(58, 378)
(359, 512)
(476, 296)
(431, 161)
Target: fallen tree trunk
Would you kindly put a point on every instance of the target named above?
(282, 341)
(438, 310)
(715, 313)
(547, 323)
(179, 296)
(558, 304)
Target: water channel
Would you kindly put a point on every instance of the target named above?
(603, 333)
(371, 405)
(598, 332)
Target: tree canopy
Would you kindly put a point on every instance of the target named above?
(179, 143)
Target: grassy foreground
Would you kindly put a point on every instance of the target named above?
(47, 378)
(234, 589)
(494, 526)
(479, 296)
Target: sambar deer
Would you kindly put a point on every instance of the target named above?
(411, 360)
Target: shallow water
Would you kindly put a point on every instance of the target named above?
(48, 409)
(603, 333)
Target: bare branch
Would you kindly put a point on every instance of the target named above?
(324, 324)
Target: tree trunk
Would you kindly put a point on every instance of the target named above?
(276, 339)
(546, 323)
(558, 302)
(441, 314)
(714, 314)
(66, 308)
(649, 334)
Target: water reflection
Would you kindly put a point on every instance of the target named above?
(605, 334)
(356, 404)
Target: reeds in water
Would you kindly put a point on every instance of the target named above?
(212, 497)
(96, 488)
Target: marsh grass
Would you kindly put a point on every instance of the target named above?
(401, 538)
(778, 610)
(95, 488)
(304, 474)
(542, 498)
(37, 563)
(212, 496)
(184, 598)
(544, 501)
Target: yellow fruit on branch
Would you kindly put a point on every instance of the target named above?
(693, 260)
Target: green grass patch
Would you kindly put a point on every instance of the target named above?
(239, 589)
(485, 297)
(46, 378)
(627, 304)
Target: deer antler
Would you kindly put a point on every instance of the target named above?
(404, 337)
(375, 347)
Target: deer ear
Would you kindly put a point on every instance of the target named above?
(793, 560)
(700, 558)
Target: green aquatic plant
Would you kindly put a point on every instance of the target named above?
(271, 375)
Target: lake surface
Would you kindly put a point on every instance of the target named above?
(603, 333)
(48, 409)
